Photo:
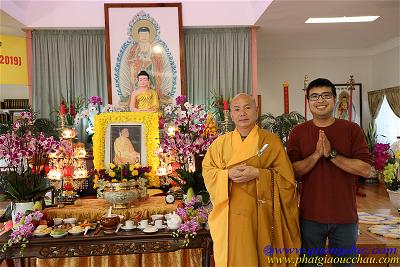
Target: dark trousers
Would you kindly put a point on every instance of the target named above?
(342, 240)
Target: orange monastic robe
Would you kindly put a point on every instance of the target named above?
(242, 218)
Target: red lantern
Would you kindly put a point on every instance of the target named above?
(67, 171)
(175, 166)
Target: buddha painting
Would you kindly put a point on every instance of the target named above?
(124, 150)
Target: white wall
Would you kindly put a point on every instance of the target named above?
(386, 69)
(11, 91)
(273, 72)
(374, 71)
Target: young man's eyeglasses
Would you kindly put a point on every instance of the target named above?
(325, 96)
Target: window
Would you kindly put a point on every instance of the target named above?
(387, 124)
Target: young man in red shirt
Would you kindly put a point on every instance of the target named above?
(328, 154)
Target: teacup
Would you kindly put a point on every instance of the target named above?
(158, 223)
(143, 223)
(155, 217)
(57, 221)
(129, 224)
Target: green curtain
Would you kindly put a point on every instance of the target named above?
(217, 61)
(68, 63)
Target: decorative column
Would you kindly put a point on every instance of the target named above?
(351, 89)
(306, 81)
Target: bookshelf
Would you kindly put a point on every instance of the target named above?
(11, 108)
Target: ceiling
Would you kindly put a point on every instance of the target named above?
(282, 30)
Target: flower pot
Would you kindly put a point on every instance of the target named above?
(20, 207)
(121, 195)
(394, 197)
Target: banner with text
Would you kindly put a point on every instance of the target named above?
(13, 60)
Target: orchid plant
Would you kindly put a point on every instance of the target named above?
(193, 215)
(94, 106)
(381, 154)
(186, 126)
(25, 152)
(23, 229)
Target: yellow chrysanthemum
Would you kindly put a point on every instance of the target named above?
(137, 165)
(131, 167)
(135, 172)
(114, 180)
(397, 154)
(112, 165)
(124, 180)
(112, 174)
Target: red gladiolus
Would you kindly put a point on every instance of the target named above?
(63, 108)
(72, 110)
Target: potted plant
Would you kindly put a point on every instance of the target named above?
(189, 134)
(380, 155)
(24, 152)
(391, 176)
(282, 124)
(371, 136)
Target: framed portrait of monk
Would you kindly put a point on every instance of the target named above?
(144, 37)
(342, 105)
(125, 137)
(126, 143)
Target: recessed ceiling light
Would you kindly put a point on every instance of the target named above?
(342, 19)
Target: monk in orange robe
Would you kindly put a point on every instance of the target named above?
(254, 197)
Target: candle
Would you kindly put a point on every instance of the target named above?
(226, 105)
(109, 211)
(286, 97)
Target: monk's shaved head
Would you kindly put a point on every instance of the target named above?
(244, 113)
(244, 96)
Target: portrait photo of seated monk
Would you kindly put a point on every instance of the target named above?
(124, 152)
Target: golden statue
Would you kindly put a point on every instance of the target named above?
(144, 99)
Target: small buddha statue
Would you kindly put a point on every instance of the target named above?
(144, 98)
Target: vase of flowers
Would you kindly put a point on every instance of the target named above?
(381, 154)
(391, 178)
(194, 216)
(23, 230)
(94, 106)
(25, 153)
(188, 132)
(123, 184)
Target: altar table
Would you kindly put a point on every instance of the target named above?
(133, 248)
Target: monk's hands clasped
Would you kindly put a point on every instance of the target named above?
(243, 173)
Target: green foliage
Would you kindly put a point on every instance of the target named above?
(215, 104)
(282, 124)
(371, 136)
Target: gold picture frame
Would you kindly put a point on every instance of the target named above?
(149, 137)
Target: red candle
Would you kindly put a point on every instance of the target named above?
(226, 105)
(286, 97)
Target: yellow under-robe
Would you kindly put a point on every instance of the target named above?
(124, 152)
(147, 100)
(241, 219)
